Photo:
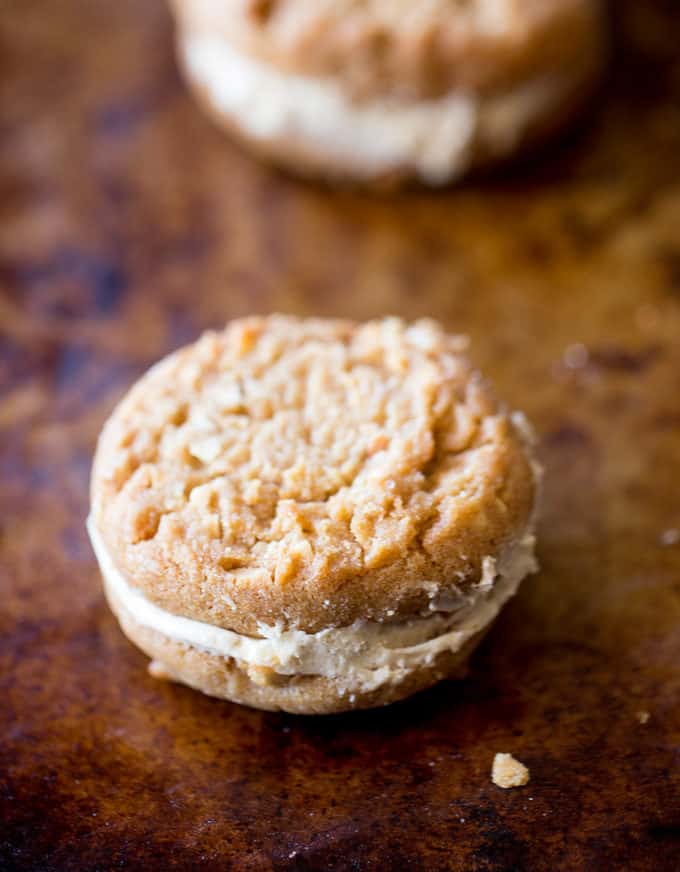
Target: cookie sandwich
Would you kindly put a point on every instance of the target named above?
(387, 90)
(312, 515)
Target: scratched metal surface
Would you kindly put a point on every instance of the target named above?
(128, 224)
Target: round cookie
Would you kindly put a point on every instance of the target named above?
(312, 515)
(385, 89)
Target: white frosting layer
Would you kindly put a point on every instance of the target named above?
(367, 652)
(433, 137)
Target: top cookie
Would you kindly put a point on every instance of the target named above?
(311, 473)
(409, 50)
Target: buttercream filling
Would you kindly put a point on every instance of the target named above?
(367, 653)
(435, 137)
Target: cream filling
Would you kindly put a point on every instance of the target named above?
(434, 137)
(366, 653)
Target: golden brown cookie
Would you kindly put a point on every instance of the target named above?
(388, 88)
(312, 515)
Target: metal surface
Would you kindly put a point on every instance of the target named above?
(128, 224)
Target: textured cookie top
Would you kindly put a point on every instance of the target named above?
(382, 47)
(311, 472)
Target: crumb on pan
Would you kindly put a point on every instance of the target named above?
(508, 772)
(642, 717)
(669, 537)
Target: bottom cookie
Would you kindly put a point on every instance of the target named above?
(226, 678)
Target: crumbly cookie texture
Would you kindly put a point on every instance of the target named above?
(311, 473)
(508, 772)
(404, 49)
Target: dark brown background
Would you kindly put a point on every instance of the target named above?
(128, 225)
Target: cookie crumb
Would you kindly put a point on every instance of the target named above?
(508, 772)
(642, 717)
(575, 356)
(158, 670)
(669, 537)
